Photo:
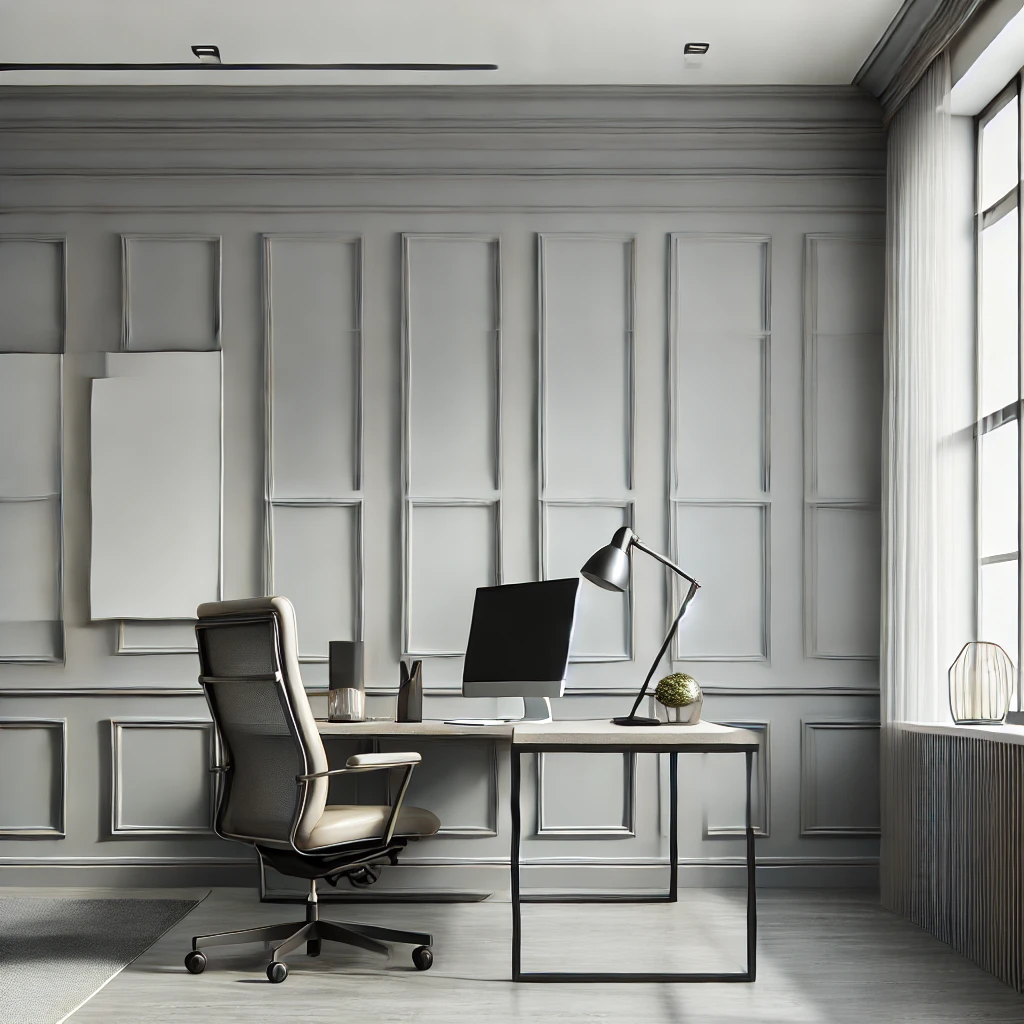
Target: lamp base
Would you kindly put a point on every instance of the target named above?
(636, 720)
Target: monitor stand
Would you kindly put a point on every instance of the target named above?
(535, 709)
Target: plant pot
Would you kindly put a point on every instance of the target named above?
(688, 714)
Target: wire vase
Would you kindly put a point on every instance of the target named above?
(980, 682)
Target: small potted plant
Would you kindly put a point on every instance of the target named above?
(681, 697)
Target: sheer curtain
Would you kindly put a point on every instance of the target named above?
(917, 542)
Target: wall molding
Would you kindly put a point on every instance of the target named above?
(810, 587)
(498, 130)
(58, 829)
(809, 782)
(678, 655)
(59, 656)
(271, 500)
(629, 241)
(413, 503)
(625, 830)
(764, 337)
(408, 330)
(629, 506)
(122, 647)
(762, 829)
(118, 827)
(490, 828)
(359, 611)
(126, 290)
(267, 248)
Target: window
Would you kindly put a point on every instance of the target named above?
(998, 249)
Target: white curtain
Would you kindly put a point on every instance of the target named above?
(917, 541)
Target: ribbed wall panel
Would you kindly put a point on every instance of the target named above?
(952, 851)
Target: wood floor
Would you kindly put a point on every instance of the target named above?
(823, 956)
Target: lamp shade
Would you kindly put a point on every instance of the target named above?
(608, 567)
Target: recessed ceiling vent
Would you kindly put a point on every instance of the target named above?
(690, 49)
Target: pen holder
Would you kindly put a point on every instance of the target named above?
(346, 698)
(410, 693)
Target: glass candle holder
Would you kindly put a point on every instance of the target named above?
(980, 683)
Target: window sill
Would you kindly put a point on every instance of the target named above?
(997, 733)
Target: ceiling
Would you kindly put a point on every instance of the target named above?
(534, 42)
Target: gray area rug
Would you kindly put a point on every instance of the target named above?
(56, 953)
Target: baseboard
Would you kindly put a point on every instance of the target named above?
(455, 875)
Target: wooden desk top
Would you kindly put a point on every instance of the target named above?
(596, 733)
(391, 728)
(603, 733)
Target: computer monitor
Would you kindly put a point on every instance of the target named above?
(519, 643)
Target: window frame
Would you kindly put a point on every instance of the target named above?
(1009, 204)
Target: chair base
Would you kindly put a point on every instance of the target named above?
(284, 938)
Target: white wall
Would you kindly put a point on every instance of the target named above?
(707, 261)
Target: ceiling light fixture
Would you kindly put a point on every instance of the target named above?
(207, 54)
(696, 48)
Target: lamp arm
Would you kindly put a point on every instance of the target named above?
(694, 587)
(637, 543)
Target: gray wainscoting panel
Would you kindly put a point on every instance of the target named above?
(835, 800)
(457, 780)
(30, 425)
(31, 534)
(160, 777)
(33, 761)
(169, 637)
(317, 561)
(171, 292)
(33, 293)
(452, 547)
(570, 532)
(313, 297)
(451, 365)
(843, 569)
(720, 365)
(728, 542)
(844, 434)
(587, 294)
(723, 787)
(586, 795)
(31, 616)
(842, 370)
(845, 283)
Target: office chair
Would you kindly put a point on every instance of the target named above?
(273, 782)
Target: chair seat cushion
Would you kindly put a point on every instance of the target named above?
(342, 823)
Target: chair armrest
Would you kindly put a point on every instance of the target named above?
(365, 763)
(382, 760)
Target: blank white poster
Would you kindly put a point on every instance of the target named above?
(156, 486)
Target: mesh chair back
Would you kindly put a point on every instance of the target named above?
(250, 672)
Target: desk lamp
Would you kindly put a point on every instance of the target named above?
(608, 568)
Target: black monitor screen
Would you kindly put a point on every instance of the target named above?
(521, 632)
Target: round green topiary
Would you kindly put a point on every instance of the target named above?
(677, 690)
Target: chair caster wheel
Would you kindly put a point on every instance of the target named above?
(313, 947)
(277, 972)
(195, 962)
(423, 958)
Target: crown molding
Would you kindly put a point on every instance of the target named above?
(895, 46)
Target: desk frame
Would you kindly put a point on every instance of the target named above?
(671, 896)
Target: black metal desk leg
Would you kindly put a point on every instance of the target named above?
(517, 910)
(673, 834)
(751, 881)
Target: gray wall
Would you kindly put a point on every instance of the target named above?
(708, 262)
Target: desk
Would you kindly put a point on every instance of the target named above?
(595, 737)
(602, 736)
